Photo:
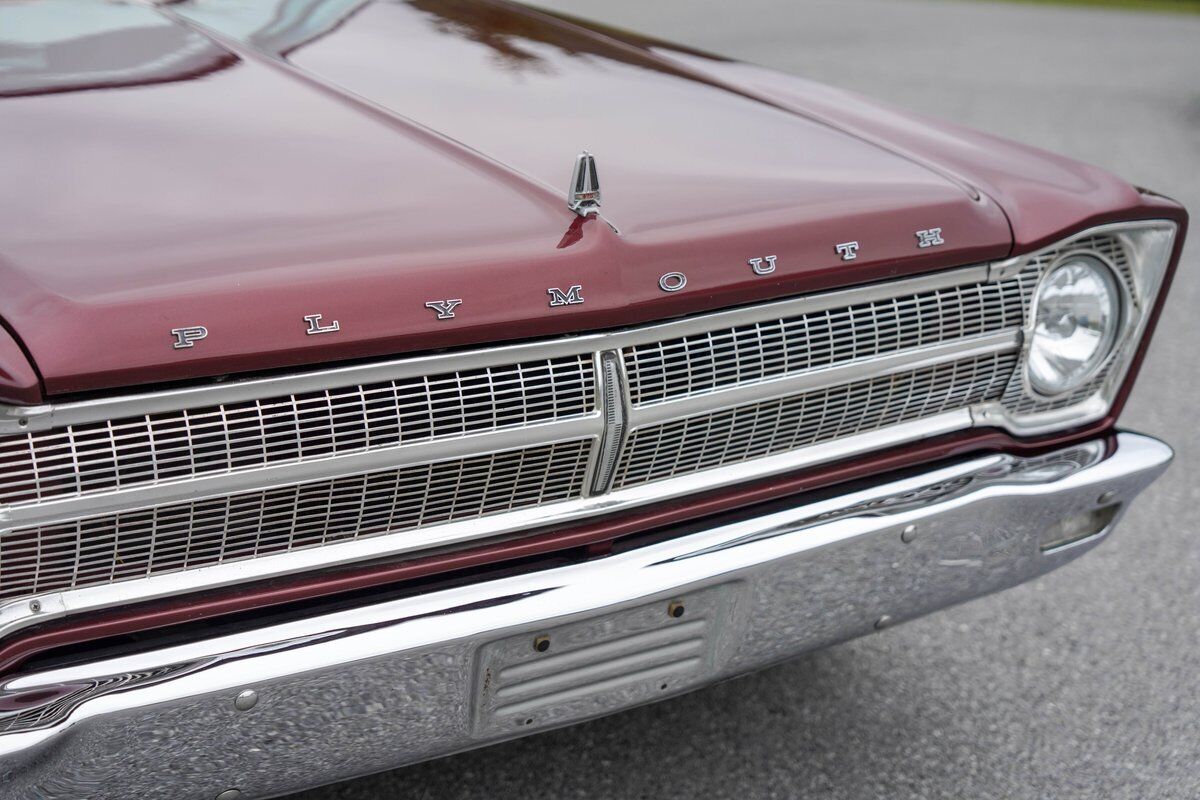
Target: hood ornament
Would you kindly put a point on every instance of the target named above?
(584, 195)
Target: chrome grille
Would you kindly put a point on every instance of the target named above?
(169, 446)
(182, 536)
(738, 434)
(134, 497)
(707, 361)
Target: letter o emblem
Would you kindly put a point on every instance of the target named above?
(672, 282)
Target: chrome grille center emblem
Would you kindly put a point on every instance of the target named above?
(584, 195)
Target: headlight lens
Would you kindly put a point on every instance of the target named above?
(1077, 318)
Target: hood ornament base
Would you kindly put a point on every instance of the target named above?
(584, 195)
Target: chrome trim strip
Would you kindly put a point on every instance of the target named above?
(44, 512)
(611, 372)
(18, 419)
(1003, 270)
(846, 372)
(384, 685)
(70, 413)
(600, 403)
(17, 614)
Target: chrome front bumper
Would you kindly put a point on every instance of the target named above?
(287, 707)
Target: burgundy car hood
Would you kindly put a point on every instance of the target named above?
(241, 170)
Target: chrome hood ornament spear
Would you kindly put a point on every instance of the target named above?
(584, 195)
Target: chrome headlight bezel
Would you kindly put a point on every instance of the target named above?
(1147, 247)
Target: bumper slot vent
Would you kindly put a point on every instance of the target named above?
(593, 667)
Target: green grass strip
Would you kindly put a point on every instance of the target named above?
(1169, 6)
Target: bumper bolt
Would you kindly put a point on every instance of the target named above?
(245, 701)
(541, 644)
(675, 609)
(1106, 498)
(908, 534)
(883, 622)
(230, 794)
(35, 606)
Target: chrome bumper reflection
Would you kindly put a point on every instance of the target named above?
(287, 707)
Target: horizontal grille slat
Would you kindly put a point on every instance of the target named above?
(156, 541)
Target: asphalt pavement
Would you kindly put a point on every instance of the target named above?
(1085, 683)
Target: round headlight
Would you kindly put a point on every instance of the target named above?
(1076, 319)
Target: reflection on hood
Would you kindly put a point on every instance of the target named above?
(62, 46)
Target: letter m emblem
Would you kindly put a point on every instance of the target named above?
(571, 297)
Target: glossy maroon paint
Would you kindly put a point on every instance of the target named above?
(1043, 194)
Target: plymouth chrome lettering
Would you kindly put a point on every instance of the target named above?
(187, 337)
(847, 250)
(444, 308)
(929, 238)
(315, 326)
(764, 265)
(573, 296)
(672, 281)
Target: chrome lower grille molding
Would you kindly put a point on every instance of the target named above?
(112, 500)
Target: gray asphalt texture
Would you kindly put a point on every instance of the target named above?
(1085, 683)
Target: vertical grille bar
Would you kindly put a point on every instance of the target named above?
(613, 389)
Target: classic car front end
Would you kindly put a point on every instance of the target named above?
(350, 415)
